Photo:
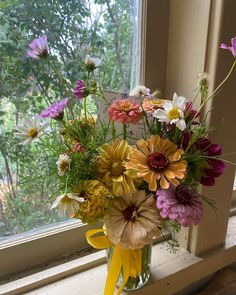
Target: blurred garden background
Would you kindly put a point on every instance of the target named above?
(107, 29)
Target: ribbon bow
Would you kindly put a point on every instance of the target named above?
(130, 260)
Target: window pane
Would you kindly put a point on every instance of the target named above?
(105, 29)
(233, 200)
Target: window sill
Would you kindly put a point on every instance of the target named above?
(170, 272)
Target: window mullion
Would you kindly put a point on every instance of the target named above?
(154, 42)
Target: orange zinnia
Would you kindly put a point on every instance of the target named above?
(157, 160)
(150, 105)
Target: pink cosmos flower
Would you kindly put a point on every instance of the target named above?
(232, 48)
(125, 111)
(38, 48)
(180, 204)
(55, 111)
(80, 88)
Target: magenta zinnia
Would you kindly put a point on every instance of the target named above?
(180, 204)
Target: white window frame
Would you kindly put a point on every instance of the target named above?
(165, 66)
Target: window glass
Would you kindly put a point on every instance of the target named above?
(233, 204)
(107, 29)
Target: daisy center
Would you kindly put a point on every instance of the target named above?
(90, 64)
(126, 107)
(173, 114)
(157, 162)
(183, 196)
(117, 168)
(33, 132)
(130, 213)
(64, 165)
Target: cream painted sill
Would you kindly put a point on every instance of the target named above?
(86, 275)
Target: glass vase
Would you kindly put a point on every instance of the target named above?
(143, 276)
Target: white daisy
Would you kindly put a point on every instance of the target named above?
(67, 203)
(30, 130)
(63, 164)
(140, 91)
(173, 112)
(92, 62)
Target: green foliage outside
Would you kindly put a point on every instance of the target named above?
(101, 28)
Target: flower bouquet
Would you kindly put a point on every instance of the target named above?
(137, 171)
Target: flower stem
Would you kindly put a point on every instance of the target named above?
(60, 78)
(146, 118)
(113, 129)
(85, 109)
(215, 91)
(124, 131)
(85, 98)
(221, 84)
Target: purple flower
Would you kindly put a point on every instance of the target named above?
(184, 141)
(214, 167)
(55, 111)
(38, 48)
(230, 48)
(180, 204)
(189, 112)
(80, 89)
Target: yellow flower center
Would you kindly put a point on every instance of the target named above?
(126, 107)
(117, 168)
(173, 114)
(33, 132)
(91, 64)
(64, 165)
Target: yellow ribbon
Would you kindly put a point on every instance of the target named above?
(130, 260)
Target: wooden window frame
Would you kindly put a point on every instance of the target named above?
(211, 232)
(195, 31)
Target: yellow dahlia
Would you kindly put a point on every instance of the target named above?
(157, 160)
(133, 220)
(93, 199)
(111, 167)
